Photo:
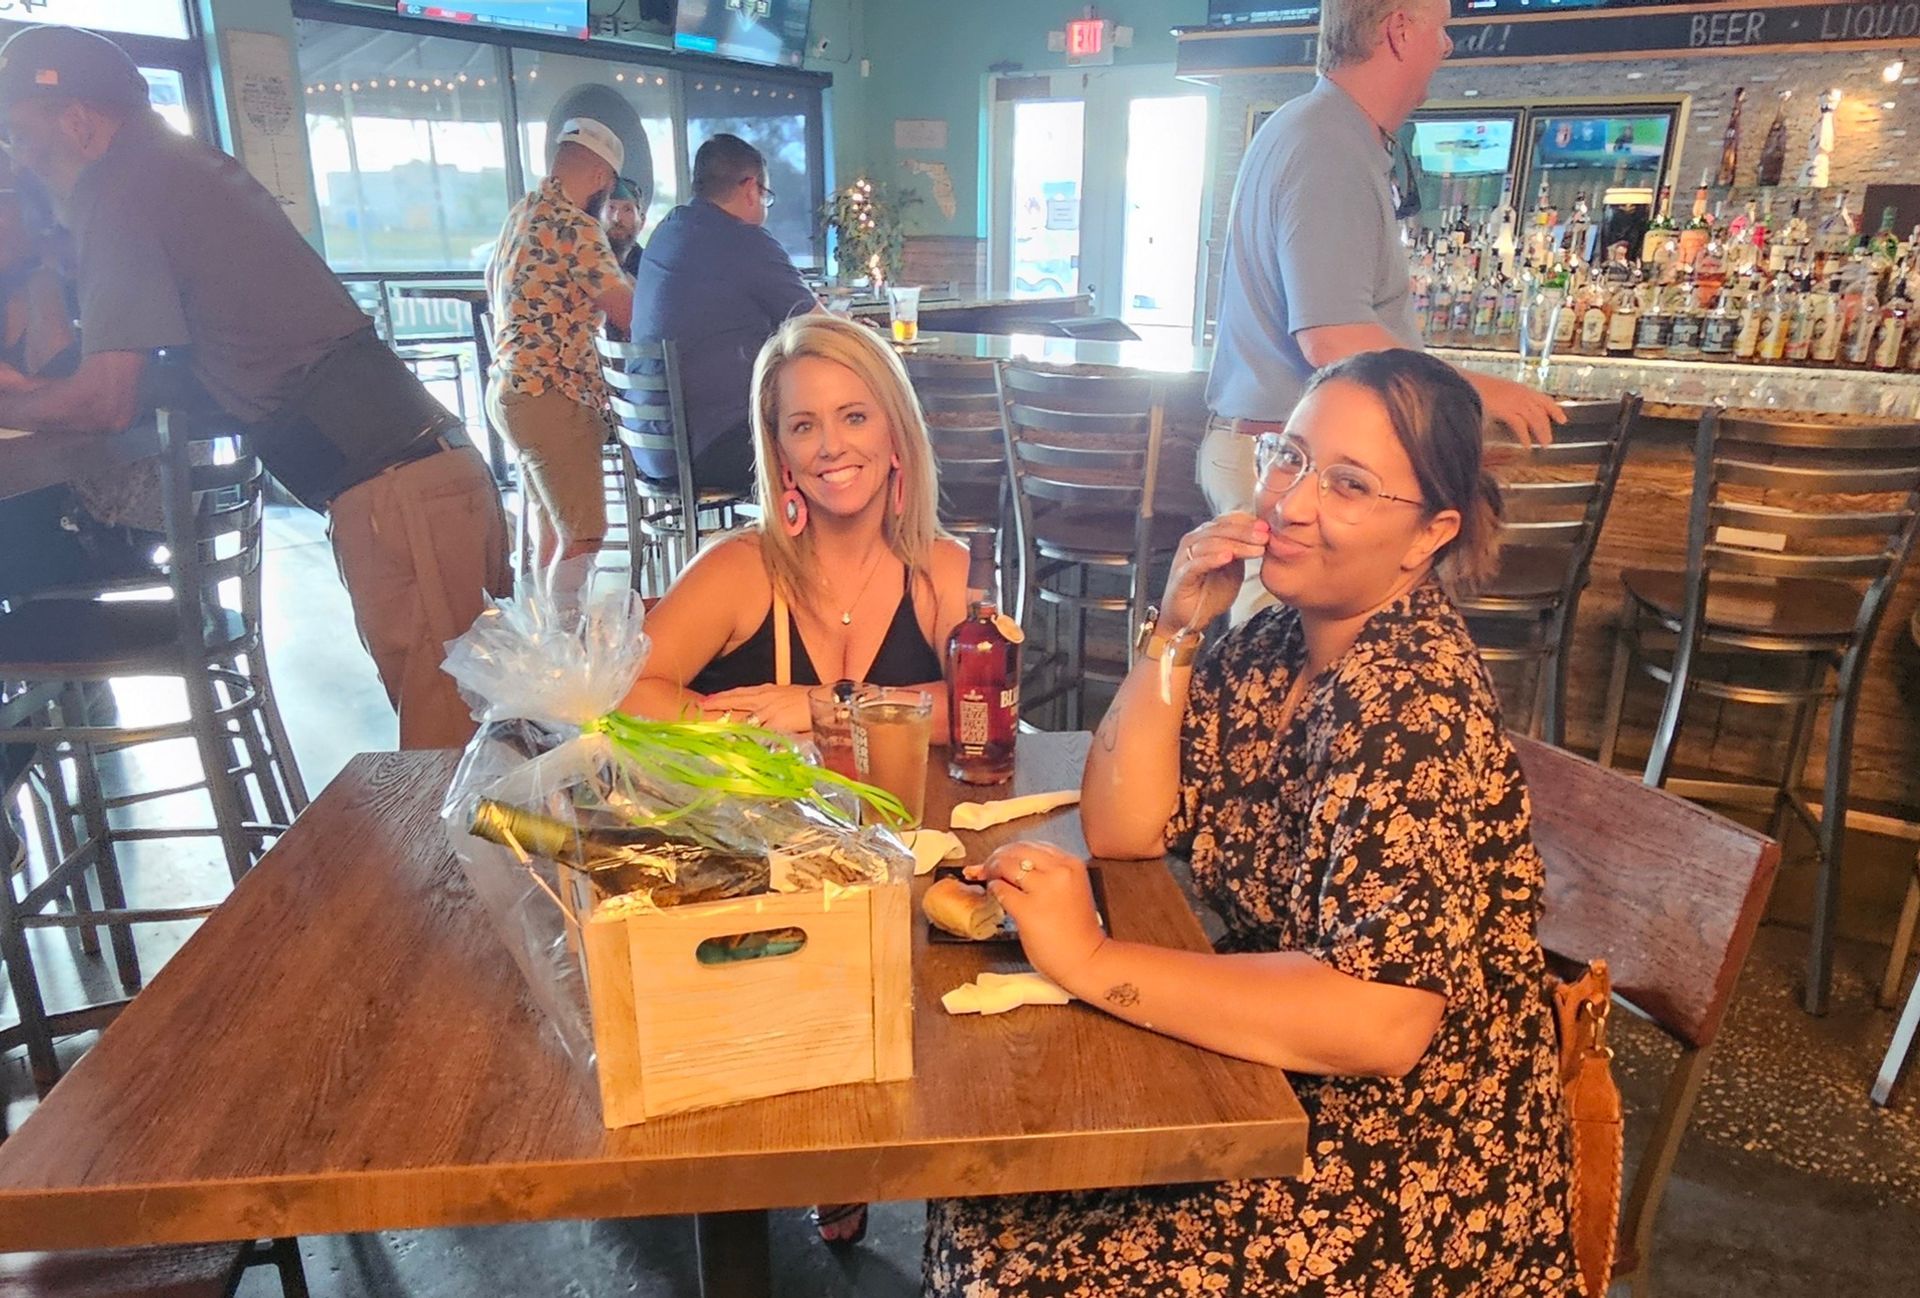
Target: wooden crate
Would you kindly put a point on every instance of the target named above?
(673, 1034)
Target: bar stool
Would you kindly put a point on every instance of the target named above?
(1786, 600)
(961, 402)
(213, 493)
(1098, 487)
(1553, 519)
(666, 515)
(429, 364)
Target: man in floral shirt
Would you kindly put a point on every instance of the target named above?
(551, 279)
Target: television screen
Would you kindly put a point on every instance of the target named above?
(1262, 13)
(1626, 145)
(1470, 146)
(1482, 8)
(768, 32)
(562, 17)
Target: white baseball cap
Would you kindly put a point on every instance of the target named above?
(597, 137)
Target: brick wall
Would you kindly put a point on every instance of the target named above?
(1873, 143)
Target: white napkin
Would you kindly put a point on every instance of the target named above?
(985, 815)
(932, 846)
(996, 993)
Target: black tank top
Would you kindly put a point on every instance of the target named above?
(904, 657)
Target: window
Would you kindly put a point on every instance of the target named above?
(128, 17)
(167, 92)
(408, 140)
(779, 120)
(636, 101)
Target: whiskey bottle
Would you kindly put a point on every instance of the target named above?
(1773, 150)
(983, 678)
(1730, 140)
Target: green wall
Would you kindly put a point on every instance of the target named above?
(929, 59)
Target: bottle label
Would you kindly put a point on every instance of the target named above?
(1886, 356)
(1716, 336)
(1593, 327)
(1686, 333)
(970, 727)
(1653, 332)
(1005, 624)
(1748, 340)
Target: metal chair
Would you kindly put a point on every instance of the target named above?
(1908, 1027)
(1670, 895)
(55, 650)
(1553, 519)
(168, 1271)
(1098, 486)
(961, 402)
(666, 516)
(1783, 601)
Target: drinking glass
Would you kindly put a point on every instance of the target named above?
(892, 729)
(1539, 317)
(832, 709)
(904, 304)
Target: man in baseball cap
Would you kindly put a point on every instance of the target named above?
(179, 250)
(551, 279)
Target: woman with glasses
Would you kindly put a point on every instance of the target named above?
(1336, 770)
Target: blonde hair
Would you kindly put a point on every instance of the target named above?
(1349, 31)
(911, 533)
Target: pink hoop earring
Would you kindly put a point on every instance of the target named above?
(899, 489)
(793, 505)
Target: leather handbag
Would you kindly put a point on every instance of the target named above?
(1592, 1103)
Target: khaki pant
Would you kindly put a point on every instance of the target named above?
(420, 548)
(1227, 474)
(559, 442)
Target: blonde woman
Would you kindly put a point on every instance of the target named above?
(848, 552)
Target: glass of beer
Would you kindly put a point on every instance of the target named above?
(892, 729)
(904, 303)
(832, 709)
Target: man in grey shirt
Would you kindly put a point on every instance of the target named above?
(180, 251)
(1314, 269)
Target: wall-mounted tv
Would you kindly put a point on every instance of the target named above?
(769, 32)
(1626, 143)
(559, 17)
(1464, 146)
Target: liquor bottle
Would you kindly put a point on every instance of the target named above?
(1562, 278)
(1730, 140)
(1506, 228)
(1710, 267)
(675, 871)
(1592, 339)
(1440, 302)
(1683, 343)
(1654, 332)
(1800, 327)
(1658, 229)
(1834, 235)
(1746, 339)
(1718, 330)
(1486, 310)
(983, 678)
(1579, 228)
(1506, 322)
(1623, 324)
(1694, 237)
(1773, 150)
(1889, 342)
(1776, 318)
(1827, 324)
(1861, 332)
(1460, 318)
(1788, 246)
(1742, 251)
(1886, 243)
(1420, 292)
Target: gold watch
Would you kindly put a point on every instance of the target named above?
(1180, 647)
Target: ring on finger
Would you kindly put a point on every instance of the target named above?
(1025, 867)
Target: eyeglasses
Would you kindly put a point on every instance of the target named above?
(1403, 181)
(1348, 492)
(766, 194)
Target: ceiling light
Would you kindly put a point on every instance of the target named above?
(1894, 70)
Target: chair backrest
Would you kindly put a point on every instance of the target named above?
(1847, 509)
(1670, 895)
(643, 378)
(1556, 496)
(213, 491)
(961, 402)
(1082, 440)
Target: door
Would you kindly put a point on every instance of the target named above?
(1097, 187)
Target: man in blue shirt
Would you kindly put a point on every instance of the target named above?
(1314, 270)
(717, 284)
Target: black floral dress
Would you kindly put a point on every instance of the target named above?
(1386, 833)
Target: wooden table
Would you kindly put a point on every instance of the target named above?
(45, 459)
(346, 1046)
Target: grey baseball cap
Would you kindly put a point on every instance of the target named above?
(68, 63)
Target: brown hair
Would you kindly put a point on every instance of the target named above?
(1437, 416)
(910, 534)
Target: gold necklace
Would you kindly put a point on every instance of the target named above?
(846, 614)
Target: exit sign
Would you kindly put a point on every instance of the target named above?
(1088, 42)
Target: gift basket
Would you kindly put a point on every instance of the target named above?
(697, 907)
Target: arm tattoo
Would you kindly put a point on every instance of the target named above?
(1125, 995)
(1109, 732)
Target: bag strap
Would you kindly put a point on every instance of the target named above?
(782, 640)
(1591, 1100)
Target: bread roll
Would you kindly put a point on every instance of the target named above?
(962, 909)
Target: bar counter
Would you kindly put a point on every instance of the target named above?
(1646, 527)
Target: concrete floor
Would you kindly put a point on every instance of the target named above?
(1789, 1183)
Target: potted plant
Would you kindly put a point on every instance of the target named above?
(868, 231)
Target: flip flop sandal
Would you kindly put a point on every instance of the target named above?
(835, 1215)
